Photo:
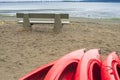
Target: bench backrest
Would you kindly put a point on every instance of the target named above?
(41, 15)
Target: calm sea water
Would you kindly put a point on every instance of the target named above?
(75, 9)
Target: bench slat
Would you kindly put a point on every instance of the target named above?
(44, 22)
(42, 15)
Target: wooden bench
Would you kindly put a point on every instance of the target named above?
(57, 19)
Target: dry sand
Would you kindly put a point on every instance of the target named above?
(22, 51)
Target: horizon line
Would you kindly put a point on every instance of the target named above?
(55, 1)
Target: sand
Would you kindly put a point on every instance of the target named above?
(23, 51)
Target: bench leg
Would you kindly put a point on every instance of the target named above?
(26, 22)
(58, 24)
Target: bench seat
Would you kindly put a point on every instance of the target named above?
(44, 22)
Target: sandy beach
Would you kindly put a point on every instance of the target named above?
(23, 51)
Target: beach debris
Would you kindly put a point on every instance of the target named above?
(23, 30)
(2, 22)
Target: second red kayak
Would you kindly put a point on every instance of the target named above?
(65, 68)
(90, 66)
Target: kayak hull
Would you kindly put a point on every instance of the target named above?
(39, 73)
(111, 67)
(90, 66)
(65, 68)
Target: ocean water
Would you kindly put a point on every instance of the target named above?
(75, 9)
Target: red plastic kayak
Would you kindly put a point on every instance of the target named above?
(38, 74)
(90, 66)
(65, 68)
(111, 67)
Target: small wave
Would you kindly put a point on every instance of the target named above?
(35, 1)
(33, 10)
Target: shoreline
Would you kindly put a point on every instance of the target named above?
(13, 18)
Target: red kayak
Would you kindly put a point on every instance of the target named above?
(90, 66)
(111, 67)
(38, 74)
(65, 68)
